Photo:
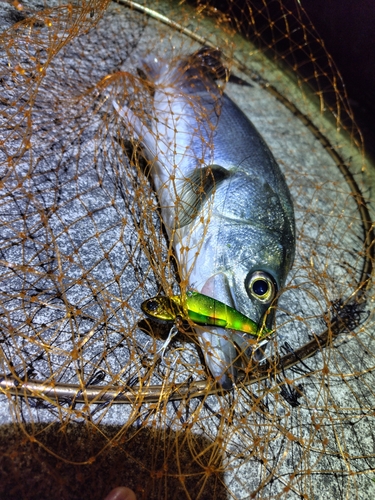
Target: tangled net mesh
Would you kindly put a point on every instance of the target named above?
(92, 397)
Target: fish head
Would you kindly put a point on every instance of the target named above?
(248, 248)
(251, 269)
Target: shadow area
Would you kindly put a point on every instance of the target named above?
(82, 461)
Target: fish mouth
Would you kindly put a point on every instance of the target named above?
(227, 352)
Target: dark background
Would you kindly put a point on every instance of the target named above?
(348, 30)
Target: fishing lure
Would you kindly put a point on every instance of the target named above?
(202, 310)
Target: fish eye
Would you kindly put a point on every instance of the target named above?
(261, 286)
(152, 305)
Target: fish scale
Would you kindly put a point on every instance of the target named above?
(241, 208)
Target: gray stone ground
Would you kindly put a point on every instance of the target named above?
(79, 229)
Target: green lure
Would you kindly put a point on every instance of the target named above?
(202, 310)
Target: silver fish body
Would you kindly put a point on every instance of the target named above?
(227, 208)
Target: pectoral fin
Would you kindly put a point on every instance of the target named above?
(196, 190)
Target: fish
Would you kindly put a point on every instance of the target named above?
(224, 201)
(202, 310)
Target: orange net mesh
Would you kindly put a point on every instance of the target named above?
(92, 397)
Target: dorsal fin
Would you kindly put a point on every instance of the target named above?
(209, 61)
(203, 65)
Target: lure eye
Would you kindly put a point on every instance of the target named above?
(261, 286)
(152, 305)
